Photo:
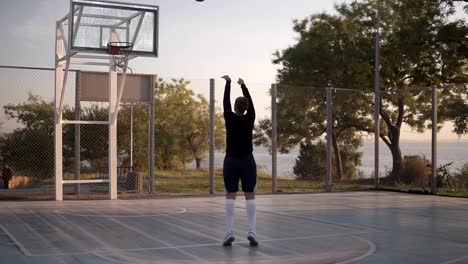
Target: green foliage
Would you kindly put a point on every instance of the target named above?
(181, 132)
(29, 149)
(415, 171)
(182, 125)
(94, 139)
(461, 176)
(457, 110)
(311, 164)
(421, 45)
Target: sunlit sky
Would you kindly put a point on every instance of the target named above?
(196, 40)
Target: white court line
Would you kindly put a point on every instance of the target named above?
(221, 218)
(33, 230)
(142, 233)
(370, 251)
(191, 231)
(181, 211)
(89, 234)
(320, 220)
(200, 245)
(15, 241)
(400, 210)
(455, 260)
(240, 205)
(310, 219)
(104, 257)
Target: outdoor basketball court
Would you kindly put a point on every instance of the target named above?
(359, 227)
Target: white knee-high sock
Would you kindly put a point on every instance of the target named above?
(251, 215)
(229, 209)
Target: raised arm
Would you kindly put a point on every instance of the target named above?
(251, 109)
(227, 95)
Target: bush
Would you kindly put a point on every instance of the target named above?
(311, 164)
(415, 171)
(461, 176)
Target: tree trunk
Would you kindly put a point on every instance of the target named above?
(397, 163)
(393, 140)
(397, 159)
(337, 155)
(198, 162)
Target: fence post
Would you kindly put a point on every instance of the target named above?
(77, 145)
(377, 100)
(329, 138)
(58, 129)
(274, 127)
(212, 136)
(434, 141)
(151, 135)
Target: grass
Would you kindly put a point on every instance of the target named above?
(196, 181)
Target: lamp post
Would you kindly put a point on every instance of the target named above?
(377, 98)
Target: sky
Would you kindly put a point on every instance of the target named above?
(196, 40)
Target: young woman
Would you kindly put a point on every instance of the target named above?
(239, 163)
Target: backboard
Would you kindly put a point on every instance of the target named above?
(93, 87)
(93, 24)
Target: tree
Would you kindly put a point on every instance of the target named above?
(457, 110)
(420, 46)
(182, 125)
(29, 148)
(322, 53)
(311, 164)
(140, 133)
(93, 138)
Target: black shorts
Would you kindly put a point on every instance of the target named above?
(243, 168)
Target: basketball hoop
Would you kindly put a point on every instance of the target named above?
(120, 51)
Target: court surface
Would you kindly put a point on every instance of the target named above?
(348, 227)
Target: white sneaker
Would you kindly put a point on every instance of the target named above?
(228, 240)
(252, 239)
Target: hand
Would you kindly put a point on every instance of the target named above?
(240, 81)
(226, 77)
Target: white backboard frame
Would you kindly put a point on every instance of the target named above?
(77, 7)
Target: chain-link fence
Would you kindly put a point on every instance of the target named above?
(184, 112)
(352, 142)
(27, 128)
(300, 143)
(408, 146)
(182, 132)
(27, 137)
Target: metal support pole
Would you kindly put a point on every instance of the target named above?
(377, 99)
(113, 97)
(328, 177)
(212, 137)
(131, 135)
(151, 136)
(434, 141)
(77, 133)
(274, 127)
(58, 159)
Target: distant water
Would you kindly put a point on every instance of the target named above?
(447, 152)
